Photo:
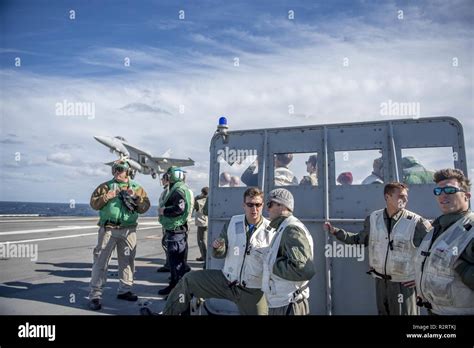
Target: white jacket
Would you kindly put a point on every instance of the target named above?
(284, 177)
(372, 179)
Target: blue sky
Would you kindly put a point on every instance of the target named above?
(51, 43)
(190, 62)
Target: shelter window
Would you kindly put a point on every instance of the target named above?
(360, 167)
(419, 164)
(238, 167)
(293, 169)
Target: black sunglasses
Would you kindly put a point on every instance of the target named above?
(449, 190)
(251, 205)
(270, 204)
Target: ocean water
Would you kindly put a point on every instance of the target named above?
(54, 209)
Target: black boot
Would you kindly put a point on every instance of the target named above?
(147, 311)
(95, 304)
(128, 296)
(166, 290)
(163, 269)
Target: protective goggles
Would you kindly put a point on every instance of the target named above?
(449, 190)
(119, 168)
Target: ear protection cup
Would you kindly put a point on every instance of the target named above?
(175, 174)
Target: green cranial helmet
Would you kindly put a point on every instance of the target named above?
(175, 174)
(409, 161)
(120, 166)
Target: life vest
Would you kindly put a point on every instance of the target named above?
(191, 204)
(171, 223)
(393, 255)
(280, 292)
(162, 196)
(115, 212)
(436, 280)
(244, 263)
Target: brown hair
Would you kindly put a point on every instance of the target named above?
(450, 173)
(390, 187)
(253, 192)
(284, 158)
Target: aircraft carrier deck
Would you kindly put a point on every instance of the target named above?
(57, 283)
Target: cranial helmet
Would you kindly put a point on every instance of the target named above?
(120, 166)
(175, 174)
(409, 161)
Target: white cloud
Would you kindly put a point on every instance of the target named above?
(90, 171)
(61, 158)
(408, 61)
(9, 141)
(68, 146)
(141, 107)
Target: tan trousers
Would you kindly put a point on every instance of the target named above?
(300, 308)
(202, 240)
(125, 240)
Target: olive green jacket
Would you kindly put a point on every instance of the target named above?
(294, 259)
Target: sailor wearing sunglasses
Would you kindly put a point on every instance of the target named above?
(445, 260)
(288, 265)
(242, 243)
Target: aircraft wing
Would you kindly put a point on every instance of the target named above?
(168, 162)
(136, 151)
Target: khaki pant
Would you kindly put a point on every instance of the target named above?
(202, 240)
(395, 299)
(213, 284)
(300, 308)
(125, 240)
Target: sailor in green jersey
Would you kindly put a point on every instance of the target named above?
(173, 214)
(119, 201)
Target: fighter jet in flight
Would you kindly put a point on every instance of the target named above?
(141, 161)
